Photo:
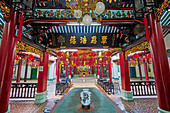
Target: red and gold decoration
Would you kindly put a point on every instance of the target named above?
(149, 57)
(131, 62)
(159, 11)
(30, 57)
(17, 58)
(5, 10)
(142, 46)
(34, 63)
(136, 56)
(59, 54)
(21, 46)
(145, 58)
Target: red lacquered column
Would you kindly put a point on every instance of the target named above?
(140, 72)
(26, 69)
(110, 70)
(19, 71)
(101, 69)
(160, 63)
(146, 71)
(93, 70)
(43, 73)
(9, 59)
(66, 69)
(3, 52)
(75, 70)
(69, 71)
(125, 78)
(97, 70)
(57, 70)
(41, 95)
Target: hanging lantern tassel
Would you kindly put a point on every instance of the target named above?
(106, 61)
(136, 61)
(131, 64)
(84, 62)
(72, 63)
(136, 56)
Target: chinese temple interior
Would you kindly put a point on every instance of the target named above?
(73, 56)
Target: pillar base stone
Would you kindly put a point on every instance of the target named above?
(40, 97)
(127, 95)
(162, 111)
(8, 108)
(98, 76)
(69, 76)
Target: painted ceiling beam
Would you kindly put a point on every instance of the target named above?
(166, 27)
(136, 42)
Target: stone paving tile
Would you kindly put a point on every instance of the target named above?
(139, 105)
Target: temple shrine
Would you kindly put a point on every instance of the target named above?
(73, 56)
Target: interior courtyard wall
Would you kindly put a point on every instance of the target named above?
(51, 71)
(115, 70)
(29, 72)
(23, 69)
(150, 70)
(142, 70)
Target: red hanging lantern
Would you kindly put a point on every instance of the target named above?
(33, 60)
(19, 58)
(60, 54)
(131, 59)
(108, 54)
(136, 56)
(16, 57)
(145, 57)
(149, 55)
(117, 63)
(75, 54)
(92, 61)
(30, 57)
(92, 54)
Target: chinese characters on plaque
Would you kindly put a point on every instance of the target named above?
(82, 40)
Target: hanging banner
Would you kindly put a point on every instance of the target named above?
(67, 40)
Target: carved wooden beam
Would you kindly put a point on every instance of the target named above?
(5, 10)
(159, 11)
(166, 27)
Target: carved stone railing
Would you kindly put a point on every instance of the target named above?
(143, 88)
(23, 90)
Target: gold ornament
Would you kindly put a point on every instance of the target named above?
(139, 47)
(159, 11)
(5, 10)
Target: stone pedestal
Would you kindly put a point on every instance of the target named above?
(162, 111)
(40, 97)
(127, 95)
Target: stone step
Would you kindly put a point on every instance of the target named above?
(83, 80)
